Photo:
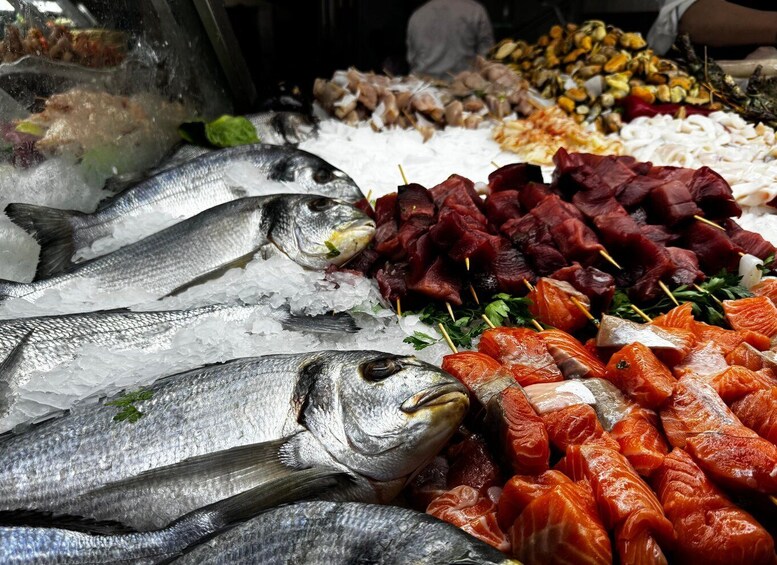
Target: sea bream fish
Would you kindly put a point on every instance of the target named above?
(342, 533)
(204, 435)
(177, 194)
(25, 540)
(313, 231)
(272, 128)
(51, 341)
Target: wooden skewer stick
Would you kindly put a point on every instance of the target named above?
(537, 325)
(399, 308)
(773, 499)
(709, 223)
(705, 291)
(402, 172)
(474, 294)
(584, 310)
(466, 262)
(450, 311)
(528, 285)
(668, 293)
(369, 193)
(609, 258)
(741, 254)
(447, 338)
(488, 321)
(641, 314)
(495, 165)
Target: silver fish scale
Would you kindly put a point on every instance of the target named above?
(191, 414)
(330, 533)
(173, 257)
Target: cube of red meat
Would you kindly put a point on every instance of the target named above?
(386, 209)
(452, 224)
(460, 186)
(532, 194)
(614, 173)
(713, 194)
(392, 281)
(386, 241)
(552, 210)
(545, 259)
(686, 266)
(527, 231)
(420, 254)
(671, 203)
(513, 177)
(414, 200)
(477, 246)
(576, 241)
(439, 282)
(598, 202)
(713, 247)
(634, 193)
(510, 268)
(503, 206)
(751, 242)
(597, 285)
(412, 229)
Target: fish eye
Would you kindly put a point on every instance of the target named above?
(323, 176)
(320, 204)
(380, 369)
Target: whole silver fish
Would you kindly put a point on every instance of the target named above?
(54, 340)
(273, 128)
(337, 533)
(214, 432)
(313, 231)
(181, 192)
(73, 543)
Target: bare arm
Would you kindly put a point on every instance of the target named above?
(718, 23)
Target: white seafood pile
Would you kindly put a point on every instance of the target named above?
(743, 153)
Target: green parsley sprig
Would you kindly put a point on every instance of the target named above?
(129, 412)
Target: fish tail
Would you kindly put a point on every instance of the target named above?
(54, 231)
(338, 323)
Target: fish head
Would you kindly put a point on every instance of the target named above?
(383, 416)
(316, 231)
(317, 176)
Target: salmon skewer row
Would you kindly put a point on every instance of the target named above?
(522, 352)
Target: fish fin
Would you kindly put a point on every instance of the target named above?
(53, 230)
(264, 458)
(120, 183)
(6, 370)
(40, 519)
(239, 263)
(340, 322)
(298, 485)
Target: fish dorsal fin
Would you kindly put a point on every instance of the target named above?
(39, 519)
(239, 263)
(262, 459)
(7, 367)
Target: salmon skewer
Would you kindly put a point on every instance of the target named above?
(711, 530)
(576, 425)
(522, 436)
(553, 521)
(552, 304)
(523, 352)
(639, 374)
(640, 441)
(571, 356)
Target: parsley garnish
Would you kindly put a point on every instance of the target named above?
(469, 323)
(129, 411)
(723, 286)
(333, 251)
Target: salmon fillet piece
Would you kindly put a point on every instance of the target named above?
(641, 442)
(521, 351)
(472, 511)
(711, 530)
(574, 360)
(757, 314)
(639, 374)
(552, 305)
(576, 425)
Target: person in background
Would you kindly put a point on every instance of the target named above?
(445, 36)
(730, 30)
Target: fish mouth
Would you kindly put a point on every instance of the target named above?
(436, 396)
(351, 239)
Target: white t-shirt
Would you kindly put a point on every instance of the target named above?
(662, 35)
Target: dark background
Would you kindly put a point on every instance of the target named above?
(294, 41)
